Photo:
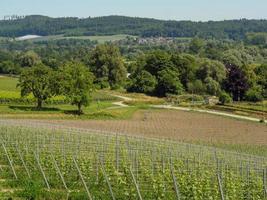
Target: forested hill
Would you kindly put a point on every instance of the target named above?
(42, 25)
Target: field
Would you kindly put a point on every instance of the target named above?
(8, 83)
(58, 163)
(100, 39)
(128, 149)
(181, 126)
(13, 106)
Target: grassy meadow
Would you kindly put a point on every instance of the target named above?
(13, 106)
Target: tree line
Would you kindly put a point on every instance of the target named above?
(233, 71)
(145, 27)
(160, 73)
(73, 79)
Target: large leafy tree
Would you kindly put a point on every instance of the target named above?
(40, 81)
(168, 83)
(157, 61)
(211, 69)
(29, 59)
(196, 45)
(107, 65)
(77, 84)
(142, 82)
(261, 72)
(186, 65)
(236, 82)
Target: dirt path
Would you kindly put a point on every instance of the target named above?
(213, 112)
(121, 103)
(209, 112)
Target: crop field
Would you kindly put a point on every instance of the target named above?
(62, 163)
(179, 125)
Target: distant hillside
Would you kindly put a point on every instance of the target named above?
(111, 25)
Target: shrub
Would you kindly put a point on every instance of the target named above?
(254, 94)
(225, 98)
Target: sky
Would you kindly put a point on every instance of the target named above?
(195, 10)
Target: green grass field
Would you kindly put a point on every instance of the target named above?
(13, 106)
(8, 83)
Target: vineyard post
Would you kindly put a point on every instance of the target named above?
(220, 186)
(63, 149)
(107, 180)
(42, 171)
(23, 162)
(219, 175)
(59, 172)
(264, 182)
(117, 153)
(162, 163)
(136, 164)
(174, 181)
(9, 160)
(248, 181)
(152, 162)
(136, 185)
(83, 181)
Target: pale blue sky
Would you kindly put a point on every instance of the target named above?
(197, 10)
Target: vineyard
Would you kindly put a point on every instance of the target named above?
(60, 163)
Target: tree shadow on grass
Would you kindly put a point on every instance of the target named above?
(72, 112)
(32, 108)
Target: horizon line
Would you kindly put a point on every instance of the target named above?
(2, 18)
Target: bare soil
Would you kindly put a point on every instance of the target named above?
(179, 125)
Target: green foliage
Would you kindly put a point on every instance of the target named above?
(187, 66)
(168, 82)
(77, 84)
(157, 61)
(196, 87)
(196, 45)
(108, 67)
(212, 86)
(8, 64)
(211, 69)
(29, 59)
(254, 94)
(216, 64)
(256, 38)
(142, 82)
(32, 190)
(40, 81)
(9, 67)
(261, 73)
(159, 166)
(225, 98)
(111, 25)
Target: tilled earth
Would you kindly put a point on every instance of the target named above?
(177, 125)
